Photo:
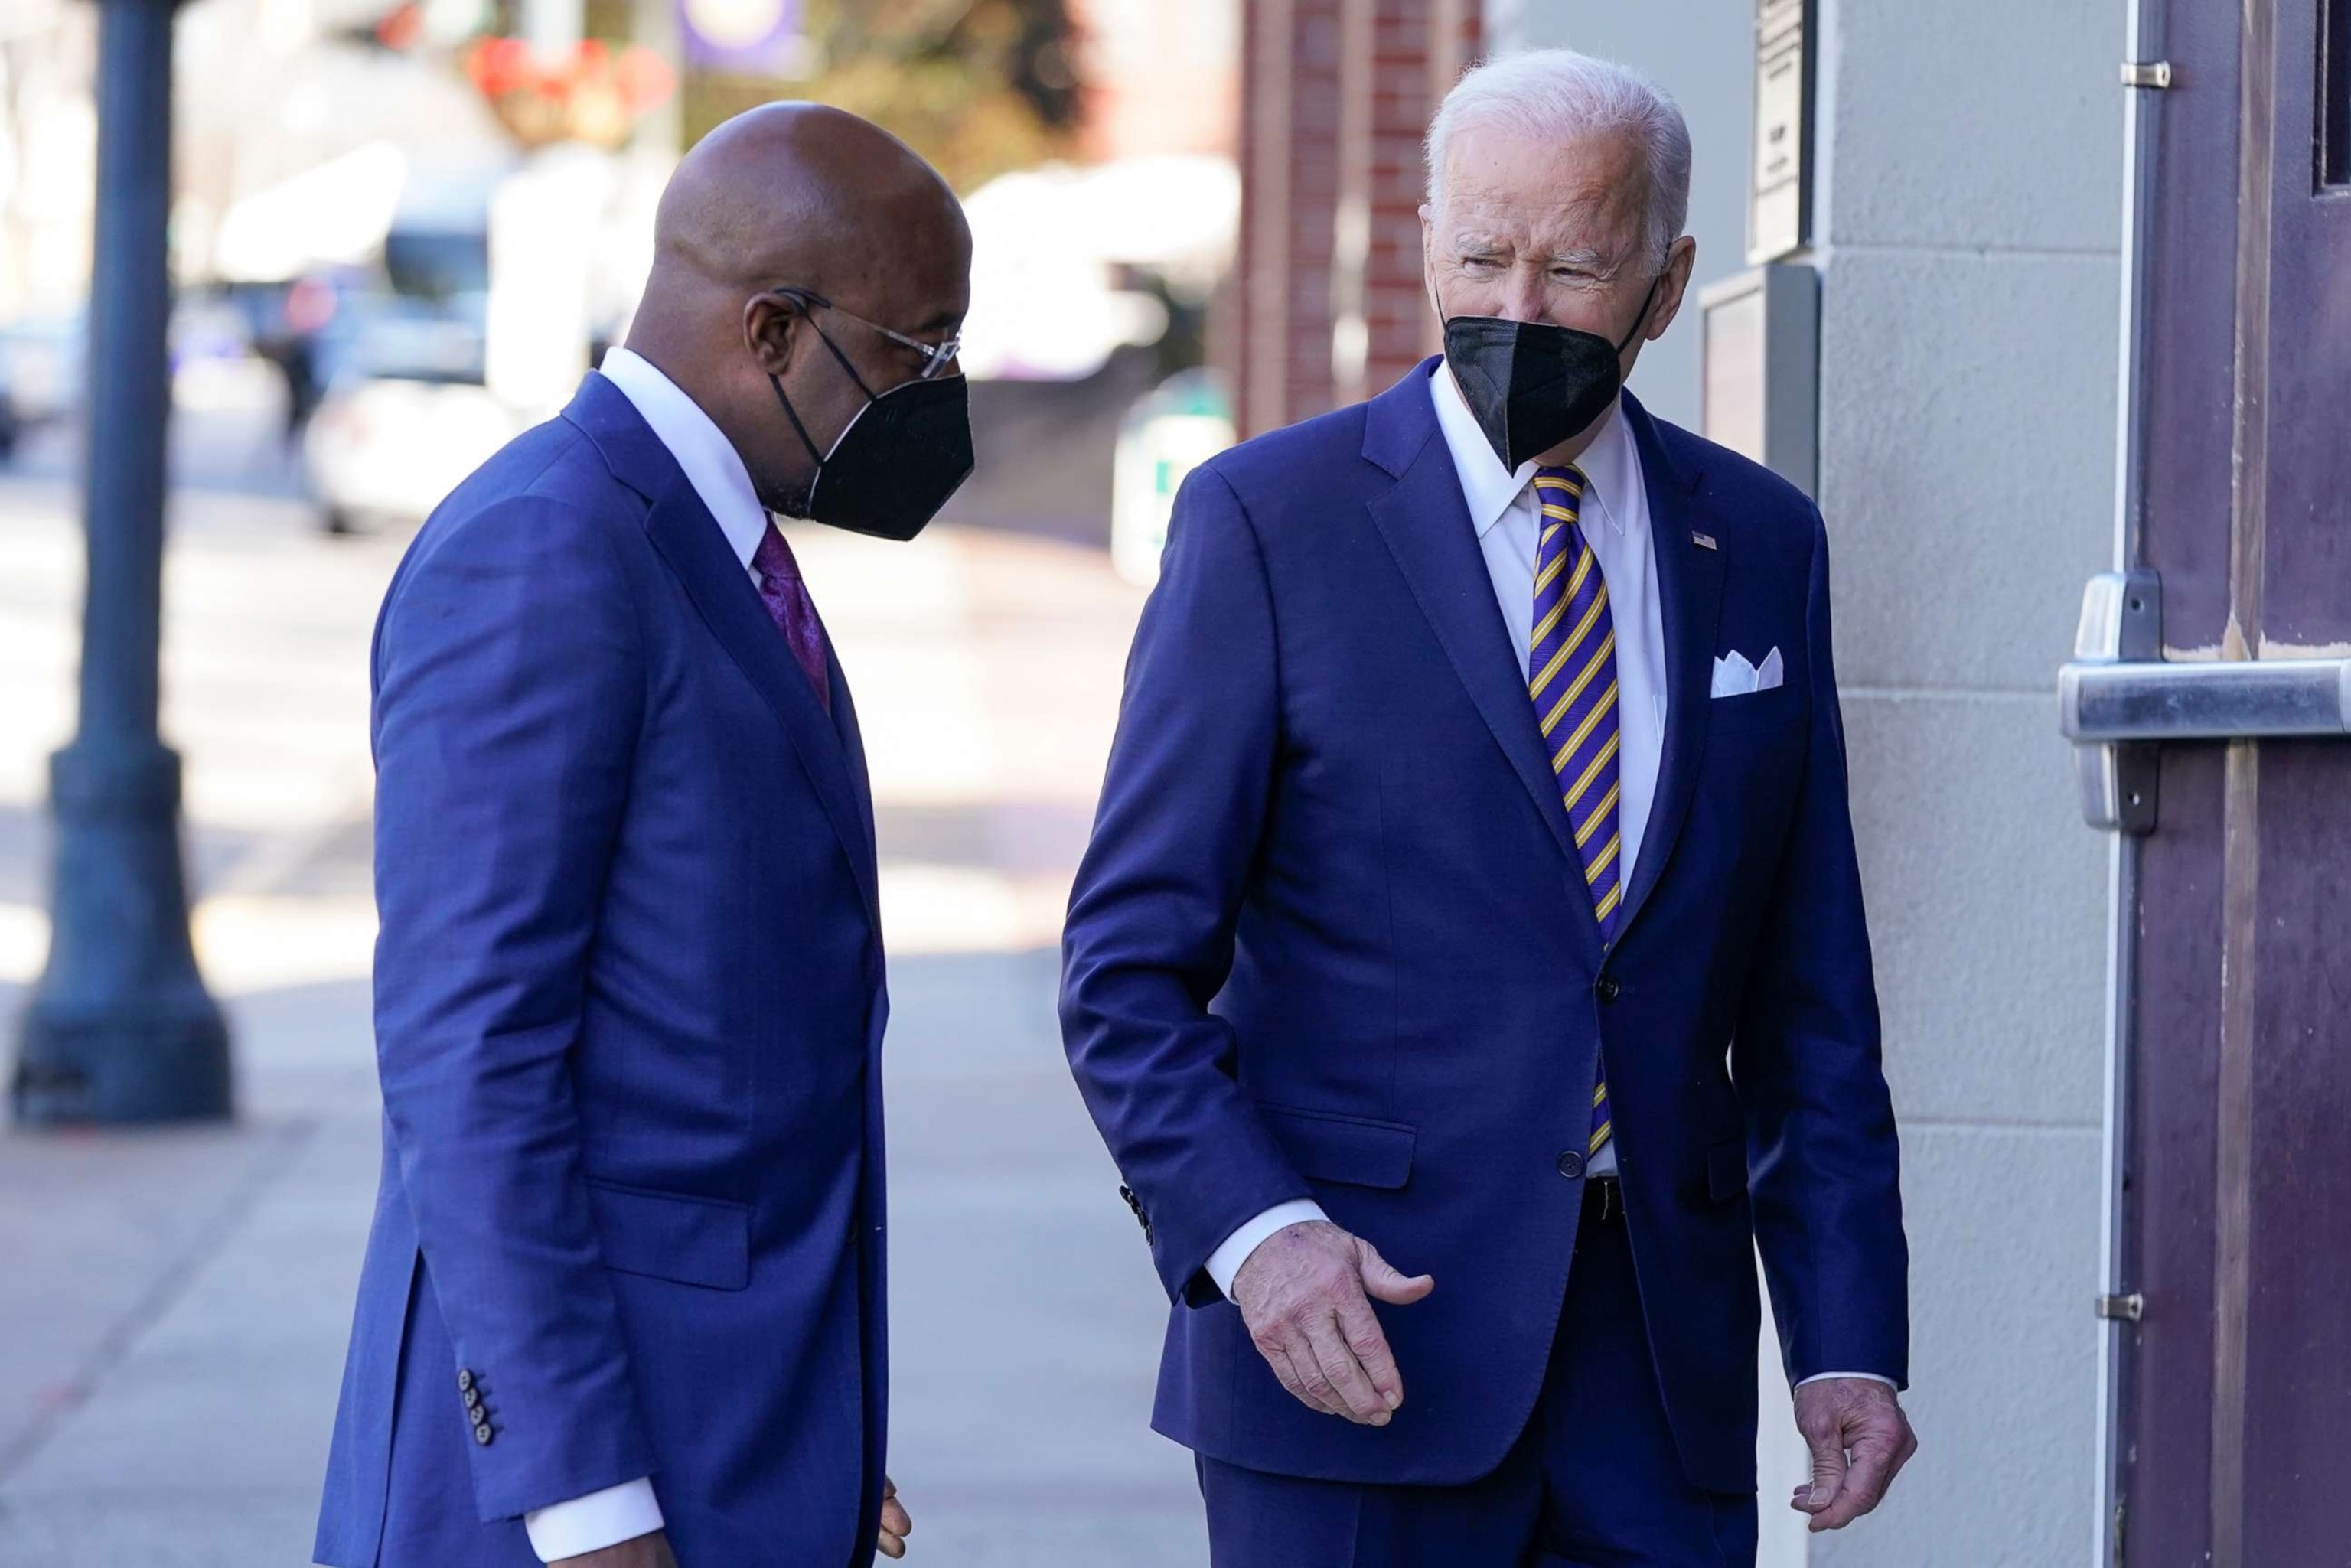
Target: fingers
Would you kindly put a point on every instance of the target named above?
(1829, 1468)
(1880, 1449)
(1302, 1293)
(897, 1523)
(1285, 1371)
(1358, 1400)
(1360, 1328)
(1383, 1282)
(1314, 1388)
(1865, 1486)
(1860, 1439)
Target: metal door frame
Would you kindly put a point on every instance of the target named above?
(2142, 108)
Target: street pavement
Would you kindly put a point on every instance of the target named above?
(174, 1303)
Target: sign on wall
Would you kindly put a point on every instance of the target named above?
(1760, 369)
(1779, 193)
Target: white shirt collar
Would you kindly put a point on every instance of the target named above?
(1609, 463)
(711, 465)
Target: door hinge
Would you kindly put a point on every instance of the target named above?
(2152, 74)
(2127, 1309)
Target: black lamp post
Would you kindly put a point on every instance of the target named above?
(120, 1028)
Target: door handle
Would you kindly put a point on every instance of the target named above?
(2119, 699)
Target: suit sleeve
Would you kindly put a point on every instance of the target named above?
(509, 693)
(1151, 933)
(1822, 1148)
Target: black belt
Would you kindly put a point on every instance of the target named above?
(1604, 1200)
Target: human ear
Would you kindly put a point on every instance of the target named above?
(768, 330)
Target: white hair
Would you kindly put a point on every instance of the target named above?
(1561, 95)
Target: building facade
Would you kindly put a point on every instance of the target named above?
(1327, 304)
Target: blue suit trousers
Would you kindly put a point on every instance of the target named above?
(1594, 1481)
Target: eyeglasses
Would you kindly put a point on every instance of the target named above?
(936, 357)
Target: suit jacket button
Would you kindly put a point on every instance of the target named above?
(465, 1382)
(1571, 1165)
(482, 1434)
(472, 1399)
(1608, 988)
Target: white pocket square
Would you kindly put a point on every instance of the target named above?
(1735, 677)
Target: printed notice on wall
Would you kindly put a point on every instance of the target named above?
(1780, 197)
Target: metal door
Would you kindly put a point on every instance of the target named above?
(2209, 699)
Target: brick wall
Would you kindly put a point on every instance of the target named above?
(1328, 305)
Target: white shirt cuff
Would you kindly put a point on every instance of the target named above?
(1858, 1376)
(1226, 1261)
(590, 1524)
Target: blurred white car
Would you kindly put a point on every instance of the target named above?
(1049, 248)
(40, 372)
(406, 414)
(390, 448)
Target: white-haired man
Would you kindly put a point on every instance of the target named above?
(1474, 879)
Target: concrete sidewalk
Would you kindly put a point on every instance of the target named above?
(174, 1303)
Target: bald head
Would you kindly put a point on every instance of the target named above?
(800, 193)
(803, 197)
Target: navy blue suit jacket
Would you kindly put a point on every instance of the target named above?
(629, 1010)
(1333, 940)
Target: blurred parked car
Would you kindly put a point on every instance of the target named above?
(389, 447)
(40, 374)
(405, 414)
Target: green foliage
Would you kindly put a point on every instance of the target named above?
(977, 87)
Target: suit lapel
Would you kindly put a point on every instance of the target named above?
(1689, 585)
(690, 541)
(1425, 524)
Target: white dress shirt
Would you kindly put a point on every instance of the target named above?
(716, 471)
(1615, 517)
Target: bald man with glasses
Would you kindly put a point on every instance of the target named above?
(623, 1300)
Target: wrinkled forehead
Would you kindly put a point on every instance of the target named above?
(1504, 185)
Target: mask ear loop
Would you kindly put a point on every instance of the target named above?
(1642, 319)
(793, 415)
(802, 300)
(824, 338)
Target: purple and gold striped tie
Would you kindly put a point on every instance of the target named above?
(1572, 680)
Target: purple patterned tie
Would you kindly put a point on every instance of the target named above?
(791, 609)
(1571, 675)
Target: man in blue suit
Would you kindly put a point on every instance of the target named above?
(1474, 884)
(623, 1303)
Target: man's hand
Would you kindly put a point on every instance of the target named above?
(1302, 1293)
(1860, 1441)
(897, 1523)
(645, 1551)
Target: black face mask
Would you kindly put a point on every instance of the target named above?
(1531, 384)
(902, 457)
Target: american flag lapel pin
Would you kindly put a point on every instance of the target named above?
(1704, 541)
